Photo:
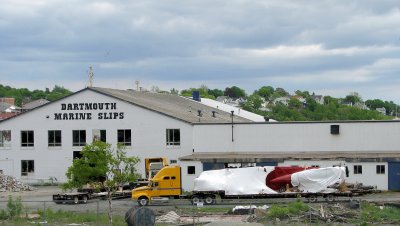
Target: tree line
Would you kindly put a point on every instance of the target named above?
(24, 95)
(301, 106)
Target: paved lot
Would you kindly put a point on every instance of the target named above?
(41, 198)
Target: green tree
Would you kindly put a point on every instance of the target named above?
(304, 94)
(100, 162)
(216, 92)
(234, 92)
(253, 103)
(353, 98)
(265, 91)
(295, 103)
(281, 92)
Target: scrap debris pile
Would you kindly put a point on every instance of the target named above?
(8, 183)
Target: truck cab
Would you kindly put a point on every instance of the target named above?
(165, 184)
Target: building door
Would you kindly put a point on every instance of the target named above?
(7, 167)
(394, 176)
(212, 166)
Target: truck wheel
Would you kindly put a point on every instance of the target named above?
(195, 199)
(330, 198)
(209, 200)
(143, 201)
(76, 200)
(84, 199)
(312, 198)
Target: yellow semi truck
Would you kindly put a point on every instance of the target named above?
(166, 183)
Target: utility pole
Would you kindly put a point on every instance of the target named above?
(232, 123)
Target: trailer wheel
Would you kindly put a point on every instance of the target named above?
(76, 199)
(84, 199)
(195, 199)
(143, 201)
(330, 198)
(312, 198)
(209, 200)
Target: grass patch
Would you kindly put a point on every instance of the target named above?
(297, 207)
(277, 211)
(61, 217)
(204, 209)
(374, 214)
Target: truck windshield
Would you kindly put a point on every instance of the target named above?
(153, 184)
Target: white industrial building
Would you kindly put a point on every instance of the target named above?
(41, 144)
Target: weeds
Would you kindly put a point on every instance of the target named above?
(14, 209)
(374, 214)
(64, 217)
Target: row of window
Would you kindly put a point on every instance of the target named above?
(124, 137)
(380, 169)
(28, 167)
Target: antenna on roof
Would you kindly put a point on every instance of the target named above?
(91, 75)
(137, 85)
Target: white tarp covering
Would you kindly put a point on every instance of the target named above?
(235, 181)
(318, 180)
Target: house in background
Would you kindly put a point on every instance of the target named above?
(7, 108)
(34, 104)
(381, 110)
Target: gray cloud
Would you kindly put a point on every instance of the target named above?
(330, 47)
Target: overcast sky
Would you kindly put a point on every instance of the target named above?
(327, 47)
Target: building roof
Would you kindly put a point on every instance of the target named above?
(34, 104)
(172, 105)
(4, 106)
(222, 157)
(228, 108)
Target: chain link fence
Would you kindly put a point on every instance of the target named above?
(174, 212)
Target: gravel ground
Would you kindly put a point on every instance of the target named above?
(41, 198)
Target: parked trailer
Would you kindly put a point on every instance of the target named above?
(209, 198)
(83, 195)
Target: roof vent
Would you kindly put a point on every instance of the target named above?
(266, 118)
(199, 113)
(213, 113)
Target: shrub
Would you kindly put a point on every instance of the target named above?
(3, 215)
(14, 209)
(278, 212)
(297, 207)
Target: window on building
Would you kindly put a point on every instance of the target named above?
(99, 135)
(173, 161)
(78, 137)
(191, 170)
(357, 169)
(124, 137)
(27, 167)
(380, 169)
(5, 138)
(54, 138)
(27, 138)
(173, 137)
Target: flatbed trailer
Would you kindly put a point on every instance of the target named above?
(85, 195)
(210, 197)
